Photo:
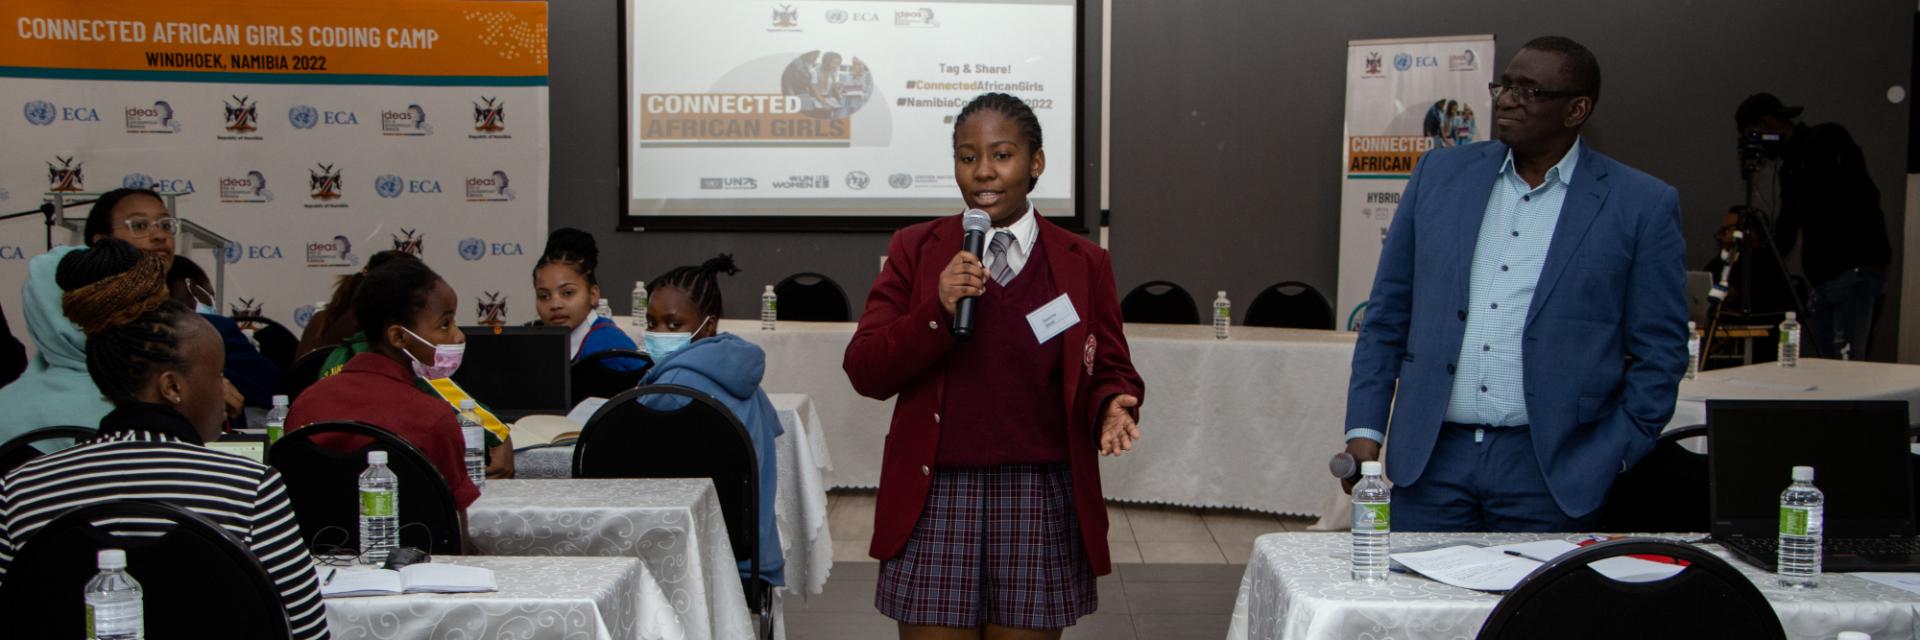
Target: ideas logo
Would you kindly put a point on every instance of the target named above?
(335, 253)
(41, 113)
(411, 121)
(249, 189)
(155, 119)
(492, 188)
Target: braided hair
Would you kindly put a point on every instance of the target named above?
(701, 283)
(118, 296)
(1011, 107)
(100, 217)
(392, 293)
(574, 248)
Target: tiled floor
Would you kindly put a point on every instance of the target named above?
(1175, 574)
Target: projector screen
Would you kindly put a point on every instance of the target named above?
(812, 115)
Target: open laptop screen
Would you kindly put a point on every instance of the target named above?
(517, 372)
(1858, 451)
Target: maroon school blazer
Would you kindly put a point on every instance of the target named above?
(900, 348)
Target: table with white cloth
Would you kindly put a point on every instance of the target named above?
(674, 526)
(1813, 379)
(1299, 586)
(1246, 422)
(800, 500)
(538, 599)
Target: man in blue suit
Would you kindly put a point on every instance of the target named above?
(1527, 326)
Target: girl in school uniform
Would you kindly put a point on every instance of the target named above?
(565, 292)
(989, 521)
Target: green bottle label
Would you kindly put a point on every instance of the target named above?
(274, 432)
(1372, 517)
(91, 631)
(376, 503)
(1793, 521)
(1223, 312)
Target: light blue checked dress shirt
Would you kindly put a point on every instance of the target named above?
(1488, 384)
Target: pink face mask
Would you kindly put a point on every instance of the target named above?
(446, 358)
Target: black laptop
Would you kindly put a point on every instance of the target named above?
(518, 371)
(1861, 460)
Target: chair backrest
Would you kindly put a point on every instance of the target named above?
(304, 371)
(1567, 599)
(1291, 304)
(276, 342)
(1159, 302)
(593, 379)
(38, 442)
(698, 439)
(1666, 491)
(324, 485)
(193, 568)
(811, 297)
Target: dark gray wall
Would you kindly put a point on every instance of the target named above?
(1227, 114)
(585, 101)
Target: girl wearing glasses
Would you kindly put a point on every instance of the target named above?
(138, 216)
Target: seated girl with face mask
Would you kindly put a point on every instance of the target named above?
(252, 374)
(407, 313)
(683, 336)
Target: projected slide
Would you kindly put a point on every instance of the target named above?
(831, 109)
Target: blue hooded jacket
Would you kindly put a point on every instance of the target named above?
(729, 369)
(55, 390)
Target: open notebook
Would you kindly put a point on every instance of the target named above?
(425, 577)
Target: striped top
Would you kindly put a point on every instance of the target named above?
(244, 497)
(1508, 257)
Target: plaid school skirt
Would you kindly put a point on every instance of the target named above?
(998, 545)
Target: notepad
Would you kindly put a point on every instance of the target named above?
(1493, 569)
(416, 578)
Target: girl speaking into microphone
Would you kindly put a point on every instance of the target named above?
(989, 522)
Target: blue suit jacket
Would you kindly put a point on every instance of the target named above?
(1605, 340)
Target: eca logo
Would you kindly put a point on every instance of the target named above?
(235, 252)
(475, 249)
(162, 185)
(1404, 61)
(306, 117)
(12, 252)
(41, 113)
(392, 186)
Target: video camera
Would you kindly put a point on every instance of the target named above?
(1756, 145)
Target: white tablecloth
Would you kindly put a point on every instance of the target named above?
(800, 502)
(539, 599)
(674, 526)
(1246, 422)
(1299, 586)
(1814, 379)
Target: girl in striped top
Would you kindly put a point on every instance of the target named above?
(159, 364)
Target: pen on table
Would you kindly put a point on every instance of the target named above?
(1517, 554)
(329, 579)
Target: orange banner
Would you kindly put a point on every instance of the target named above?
(118, 39)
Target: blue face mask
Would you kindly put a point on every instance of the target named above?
(203, 308)
(661, 345)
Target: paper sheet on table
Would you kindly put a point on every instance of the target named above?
(585, 410)
(1476, 568)
(1907, 581)
(1621, 568)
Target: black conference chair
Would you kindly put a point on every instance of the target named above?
(1667, 491)
(182, 574)
(1159, 302)
(22, 447)
(811, 297)
(304, 372)
(592, 378)
(324, 485)
(276, 342)
(701, 439)
(1566, 599)
(1291, 305)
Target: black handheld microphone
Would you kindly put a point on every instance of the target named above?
(976, 223)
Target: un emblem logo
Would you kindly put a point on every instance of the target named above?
(389, 186)
(473, 249)
(232, 252)
(137, 181)
(303, 315)
(1403, 62)
(41, 113)
(303, 116)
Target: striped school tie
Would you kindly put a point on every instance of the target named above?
(1002, 268)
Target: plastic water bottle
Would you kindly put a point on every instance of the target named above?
(476, 437)
(639, 318)
(769, 308)
(1801, 512)
(113, 600)
(1790, 342)
(379, 510)
(1372, 508)
(1693, 350)
(277, 420)
(605, 310)
(1222, 315)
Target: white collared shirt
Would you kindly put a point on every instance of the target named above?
(579, 335)
(1026, 231)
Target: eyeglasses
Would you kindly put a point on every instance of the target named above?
(1529, 94)
(142, 227)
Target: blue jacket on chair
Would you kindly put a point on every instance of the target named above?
(1605, 339)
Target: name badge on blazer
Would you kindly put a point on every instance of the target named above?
(1052, 318)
